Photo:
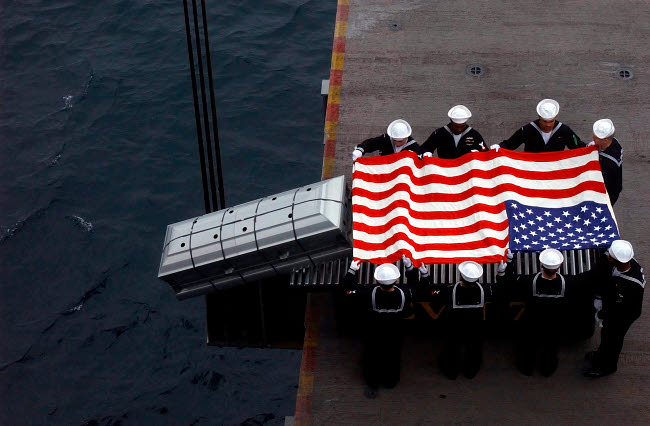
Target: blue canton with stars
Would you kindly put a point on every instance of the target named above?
(587, 225)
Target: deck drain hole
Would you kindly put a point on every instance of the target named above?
(624, 74)
(475, 70)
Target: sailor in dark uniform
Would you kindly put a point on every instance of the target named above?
(463, 322)
(397, 138)
(457, 137)
(544, 134)
(622, 298)
(610, 156)
(546, 297)
(384, 307)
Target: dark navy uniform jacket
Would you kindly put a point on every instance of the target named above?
(384, 145)
(464, 305)
(380, 307)
(442, 139)
(622, 294)
(545, 300)
(531, 136)
(611, 163)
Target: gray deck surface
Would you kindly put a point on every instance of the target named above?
(531, 50)
(565, 50)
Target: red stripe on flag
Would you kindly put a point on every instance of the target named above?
(427, 215)
(400, 236)
(429, 260)
(536, 157)
(553, 194)
(477, 174)
(431, 232)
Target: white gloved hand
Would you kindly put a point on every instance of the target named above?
(495, 147)
(356, 154)
(408, 264)
(354, 266)
(501, 269)
(510, 255)
(592, 143)
(427, 154)
(474, 150)
(598, 303)
(424, 271)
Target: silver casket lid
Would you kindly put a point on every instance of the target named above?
(257, 239)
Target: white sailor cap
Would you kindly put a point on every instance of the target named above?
(399, 129)
(548, 109)
(621, 250)
(386, 274)
(604, 128)
(459, 114)
(470, 271)
(551, 258)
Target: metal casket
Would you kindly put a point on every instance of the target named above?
(259, 239)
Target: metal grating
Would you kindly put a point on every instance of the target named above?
(331, 273)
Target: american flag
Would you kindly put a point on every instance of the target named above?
(470, 208)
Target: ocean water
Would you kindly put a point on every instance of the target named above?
(98, 154)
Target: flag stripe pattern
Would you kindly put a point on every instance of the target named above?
(447, 211)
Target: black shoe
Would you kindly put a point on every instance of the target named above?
(590, 356)
(450, 371)
(526, 370)
(370, 393)
(547, 370)
(470, 373)
(596, 373)
(451, 375)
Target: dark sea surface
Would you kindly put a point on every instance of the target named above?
(98, 154)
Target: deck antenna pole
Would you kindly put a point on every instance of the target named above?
(217, 149)
(206, 197)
